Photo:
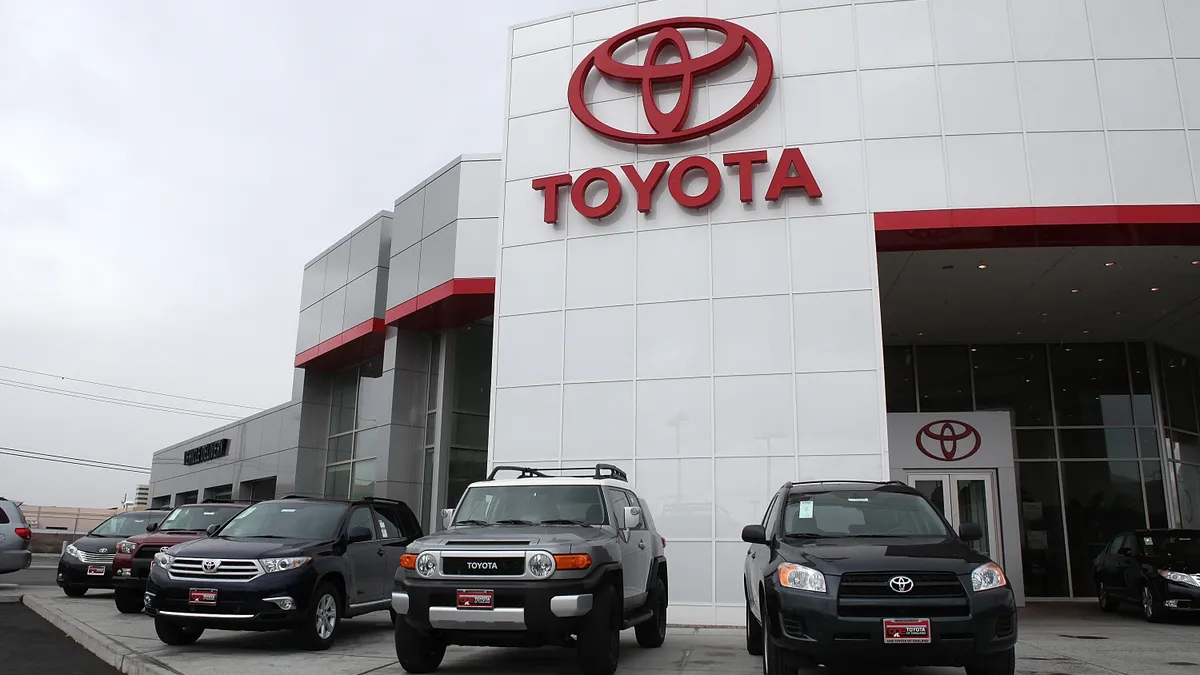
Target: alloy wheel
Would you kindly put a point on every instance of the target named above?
(1102, 593)
(1147, 602)
(326, 616)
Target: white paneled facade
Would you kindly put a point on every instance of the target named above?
(716, 353)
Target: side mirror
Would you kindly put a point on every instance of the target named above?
(151, 526)
(970, 532)
(1126, 551)
(447, 517)
(360, 533)
(632, 517)
(755, 534)
(212, 529)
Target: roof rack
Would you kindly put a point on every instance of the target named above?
(792, 483)
(384, 500)
(598, 472)
(227, 501)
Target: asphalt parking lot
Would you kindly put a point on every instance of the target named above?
(30, 644)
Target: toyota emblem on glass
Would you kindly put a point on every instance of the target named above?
(948, 440)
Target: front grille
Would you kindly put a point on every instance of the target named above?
(933, 594)
(96, 558)
(148, 552)
(483, 566)
(192, 569)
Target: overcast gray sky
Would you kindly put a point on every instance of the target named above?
(167, 168)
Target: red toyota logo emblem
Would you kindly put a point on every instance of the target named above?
(670, 126)
(950, 440)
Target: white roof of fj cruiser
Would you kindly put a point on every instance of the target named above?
(552, 480)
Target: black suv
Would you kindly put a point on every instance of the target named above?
(298, 563)
(871, 574)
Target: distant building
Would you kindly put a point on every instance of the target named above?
(142, 496)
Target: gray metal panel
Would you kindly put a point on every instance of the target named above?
(406, 226)
(308, 330)
(313, 285)
(475, 251)
(480, 188)
(333, 309)
(437, 259)
(337, 268)
(361, 299)
(364, 248)
(402, 276)
(441, 201)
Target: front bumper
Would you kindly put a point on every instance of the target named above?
(251, 605)
(15, 561)
(74, 572)
(131, 574)
(813, 626)
(526, 613)
(1179, 597)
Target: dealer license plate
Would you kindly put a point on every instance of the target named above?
(96, 571)
(476, 599)
(906, 631)
(202, 596)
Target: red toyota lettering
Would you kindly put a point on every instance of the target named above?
(549, 185)
(579, 192)
(784, 180)
(711, 189)
(745, 162)
(645, 188)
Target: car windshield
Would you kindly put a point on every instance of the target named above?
(861, 513)
(126, 524)
(533, 505)
(197, 518)
(1173, 544)
(312, 521)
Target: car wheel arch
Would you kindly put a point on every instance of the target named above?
(339, 582)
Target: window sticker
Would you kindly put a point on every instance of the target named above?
(383, 528)
(210, 513)
(805, 510)
(1149, 541)
(857, 499)
(287, 510)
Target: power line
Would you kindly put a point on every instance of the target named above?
(140, 391)
(47, 455)
(71, 460)
(116, 401)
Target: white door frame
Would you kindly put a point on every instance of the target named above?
(949, 480)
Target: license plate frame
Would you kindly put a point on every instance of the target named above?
(907, 632)
(96, 571)
(475, 599)
(203, 597)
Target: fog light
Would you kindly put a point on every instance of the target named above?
(1171, 603)
(123, 572)
(284, 603)
(147, 598)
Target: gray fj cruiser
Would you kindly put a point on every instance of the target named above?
(537, 560)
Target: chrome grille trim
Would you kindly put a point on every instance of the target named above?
(96, 558)
(237, 570)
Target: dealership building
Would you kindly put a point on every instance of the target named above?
(732, 243)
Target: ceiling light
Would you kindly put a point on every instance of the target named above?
(982, 266)
(920, 334)
(1155, 288)
(947, 267)
(1018, 332)
(1086, 332)
(1118, 312)
(1109, 263)
(1045, 313)
(1196, 262)
(1074, 290)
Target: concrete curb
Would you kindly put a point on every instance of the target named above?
(105, 648)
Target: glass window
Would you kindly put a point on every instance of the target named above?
(126, 524)
(1148, 443)
(287, 519)
(345, 391)
(341, 449)
(900, 379)
(1139, 373)
(361, 517)
(1091, 384)
(766, 521)
(1097, 443)
(363, 484)
(337, 481)
(1102, 500)
(469, 430)
(465, 467)
(1178, 544)
(1034, 443)
(1014, 378)
(473, 369)
(1177, 378)
(1156, 496)
(1185, 448)
(550, 504)
(430, 428)
(434, 366)
(388, 522)
(427, 485)
(618, 500)
(1115, 544)
(944, 376)
(861, 513)
(1187, 486)
(1043, 546)
(197, 518)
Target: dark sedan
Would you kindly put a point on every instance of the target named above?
(1156, 569)
(87, 562)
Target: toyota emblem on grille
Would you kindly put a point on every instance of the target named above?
(103, 550)
(901, 584)
(210, 566)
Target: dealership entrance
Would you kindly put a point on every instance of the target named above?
(1088, 353)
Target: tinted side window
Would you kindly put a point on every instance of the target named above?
(619, 501)
(361, 517)
(4, 514)
(1127, 542)
(770, 507)
(772, 521)
(385, 518)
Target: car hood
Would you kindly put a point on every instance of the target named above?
(515, 536)
(93, 544)
(908, 554)
(238, 548)
(1185, 565)
(166, 538)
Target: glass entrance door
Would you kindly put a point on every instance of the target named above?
(965, 498)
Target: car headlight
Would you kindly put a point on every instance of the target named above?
(282, 564)
(541, 565)
(1179, 577)
(987, 576)
(126, 547)
(72, 551)
(426, 564)
(801, 578)
(163, 560)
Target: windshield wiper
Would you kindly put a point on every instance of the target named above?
(261, 536)
(514, 521)
(564, 521)
(878, 536)
(805, 535)
(471, 522)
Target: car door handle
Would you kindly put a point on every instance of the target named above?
(641, 544)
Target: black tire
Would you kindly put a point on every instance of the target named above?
(652, 632)
(599, 640)
(1152, 607)
(1107, 603)
(1004, 663)
(129, 600)
(754, 637)
(317, 631)
(174, 634)
(774, 660)
(392, 614)
(417, 652)
(75, 591)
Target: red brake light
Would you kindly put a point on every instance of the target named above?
(23, 532)
(664, 541)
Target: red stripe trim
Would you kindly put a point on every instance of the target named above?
(480, 286)
(1038, 216)
(362, 330)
